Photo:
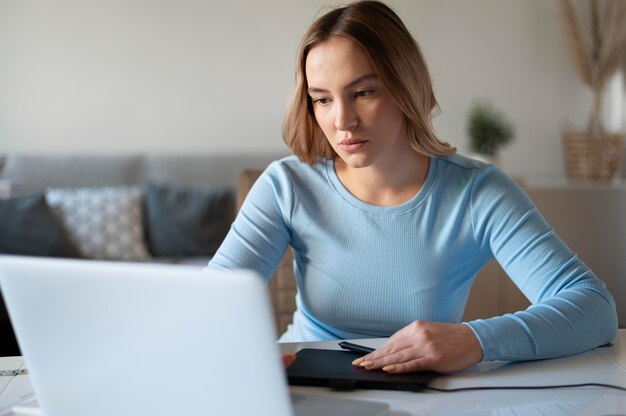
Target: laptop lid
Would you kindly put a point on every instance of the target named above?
(103, 338)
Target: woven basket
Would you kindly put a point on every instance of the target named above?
(591, 160)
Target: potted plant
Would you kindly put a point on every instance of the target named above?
(593, 155)
(488, 130)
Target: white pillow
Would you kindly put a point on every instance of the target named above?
(104, 223)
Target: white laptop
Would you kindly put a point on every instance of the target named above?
(108, 338)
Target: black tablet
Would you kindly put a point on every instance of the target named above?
(334, 369)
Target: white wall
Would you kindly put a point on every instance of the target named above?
(200, 76)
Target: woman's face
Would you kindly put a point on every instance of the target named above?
(353, 107)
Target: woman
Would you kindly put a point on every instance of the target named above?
(389, 227)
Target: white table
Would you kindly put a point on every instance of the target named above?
(601, 365)
(13, 389)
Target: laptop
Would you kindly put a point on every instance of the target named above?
(103, 338)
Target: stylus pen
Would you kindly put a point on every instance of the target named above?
(355, 347)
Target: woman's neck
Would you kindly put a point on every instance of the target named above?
(385, 186)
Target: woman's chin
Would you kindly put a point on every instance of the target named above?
(355, 160)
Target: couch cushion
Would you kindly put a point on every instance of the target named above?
(31, 174)
(28, 227)
(187, 221)
(105, 222)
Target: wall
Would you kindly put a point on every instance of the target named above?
(198, 76)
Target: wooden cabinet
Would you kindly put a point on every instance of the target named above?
(591, 220)
(492, 294)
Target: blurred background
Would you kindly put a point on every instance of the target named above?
(201, 77)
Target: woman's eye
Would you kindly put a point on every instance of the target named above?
(321, 101)
(363, 93)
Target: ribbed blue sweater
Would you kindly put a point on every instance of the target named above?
(366, 271)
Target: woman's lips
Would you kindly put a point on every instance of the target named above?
(352, 145)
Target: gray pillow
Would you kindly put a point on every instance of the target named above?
(28, 227)
(187, 221)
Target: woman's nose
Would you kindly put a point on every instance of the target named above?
(345, 118)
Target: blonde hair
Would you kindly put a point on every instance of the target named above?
(397, 58)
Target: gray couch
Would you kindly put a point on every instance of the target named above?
(34, 173)
(188, 203)
(183, 186)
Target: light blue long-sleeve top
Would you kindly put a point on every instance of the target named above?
(366, 271)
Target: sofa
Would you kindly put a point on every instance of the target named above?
(147, 208)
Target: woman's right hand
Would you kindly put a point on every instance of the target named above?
(422, 346)
(288, 359)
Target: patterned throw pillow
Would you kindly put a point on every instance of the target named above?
(104, 223)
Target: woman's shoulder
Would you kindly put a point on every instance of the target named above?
(463, 163)
(486, 182)
(290, 176)
(461, 169)
(286, 163)
(291, 167)
(471, 173)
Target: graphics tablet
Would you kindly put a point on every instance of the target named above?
(334, 369)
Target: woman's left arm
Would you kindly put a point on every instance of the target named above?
(571, 310)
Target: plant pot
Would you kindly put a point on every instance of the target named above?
(592, 160)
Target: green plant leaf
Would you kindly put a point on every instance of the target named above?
(488, 129)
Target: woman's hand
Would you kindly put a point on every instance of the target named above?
(288, 359)
(422, 346)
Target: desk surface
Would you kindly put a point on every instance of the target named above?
(601, 365)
